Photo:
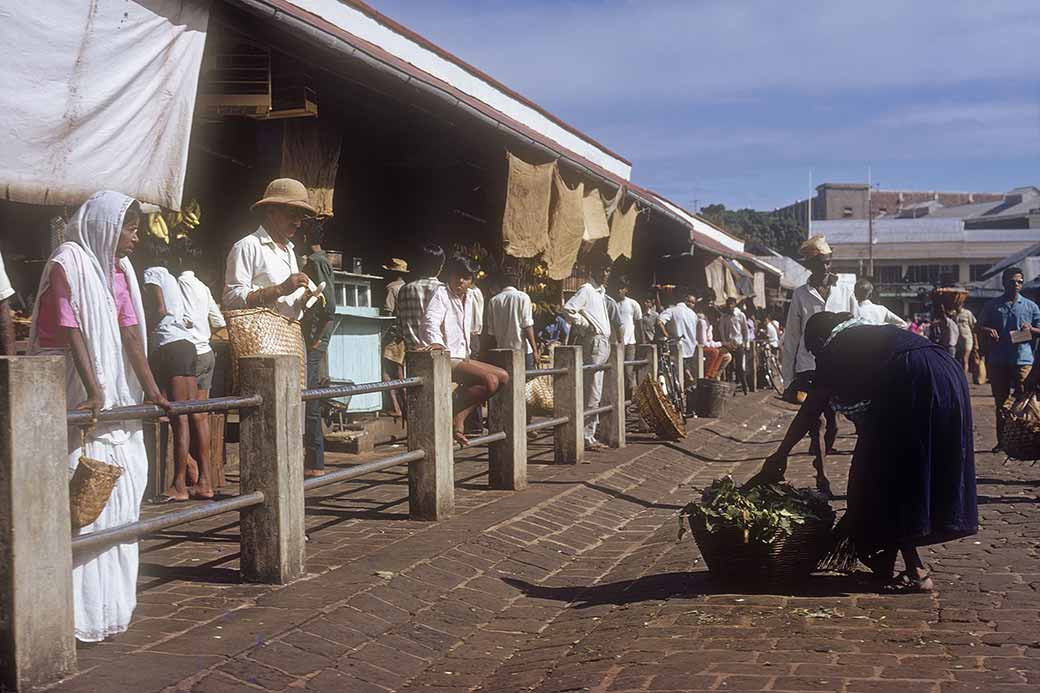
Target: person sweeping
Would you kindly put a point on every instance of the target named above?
(912, 480)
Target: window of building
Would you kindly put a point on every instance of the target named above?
(890, 274)
(847, 212)
(975, 272)
(933, 274)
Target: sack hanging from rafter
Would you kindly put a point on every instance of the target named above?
(310, 154)
(596, 226)
(525, 223)
(566, 227)
(622, 228)
(610, 206)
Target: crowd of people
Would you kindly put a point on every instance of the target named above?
(127, 341)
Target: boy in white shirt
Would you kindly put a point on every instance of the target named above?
(630, 315)
(511, 317)
(448, 324)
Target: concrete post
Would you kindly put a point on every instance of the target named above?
(271, 461)
(612, 424)
(677, 362)
(698, 361)
(649, 353)
(569, 400)
(37, 644)
(431, 480)
(508, 412)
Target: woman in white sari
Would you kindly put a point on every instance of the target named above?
(89, 309)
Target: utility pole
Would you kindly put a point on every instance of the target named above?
(870, 230)
(808, 208)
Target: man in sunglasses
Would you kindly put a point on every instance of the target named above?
(1008, 325)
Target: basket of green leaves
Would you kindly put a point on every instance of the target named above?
(771, 533)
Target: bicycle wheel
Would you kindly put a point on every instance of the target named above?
(776, 375)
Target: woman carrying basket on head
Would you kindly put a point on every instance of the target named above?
(912, 481)
(89, 310)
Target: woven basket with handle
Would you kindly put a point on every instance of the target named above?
(1022, 428)
(90, 488)
(263, 332)
(731, 557)
(658, 412)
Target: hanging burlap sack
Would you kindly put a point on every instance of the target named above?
(622, 228)
(566, 226)
(525, 222)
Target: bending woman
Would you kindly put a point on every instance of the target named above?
(89, 310)
(912, 481)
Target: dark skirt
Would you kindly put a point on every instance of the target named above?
(913, 470)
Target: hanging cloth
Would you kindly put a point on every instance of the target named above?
(610, 206)
(310, 154)
(596, 226)
(566, 227)
(715, 274)
(525, 223)
(622, 228)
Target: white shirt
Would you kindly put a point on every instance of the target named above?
(6, 290)
(631, 314)
(256, 262)
(449, 322)
(706, 333)
(680, 321)
(475, 303)
(879, 315)
(510, 313)
(392, 289)
(174, 325)
(733, 327)
(201, 309)
(806, 302)
(772, 335)
(589, 306)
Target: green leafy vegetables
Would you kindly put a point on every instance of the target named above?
(765, 513)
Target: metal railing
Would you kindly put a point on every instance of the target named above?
(544, 372)
(83, 417)
(351, 390)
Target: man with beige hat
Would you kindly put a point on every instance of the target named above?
(799, 365)
(262, 271)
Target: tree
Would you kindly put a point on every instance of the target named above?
(759, 230)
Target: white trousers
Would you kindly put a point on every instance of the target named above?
(595, 349)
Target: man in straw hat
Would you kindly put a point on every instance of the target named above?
(799, 365)
(262, 271)
(393, 342)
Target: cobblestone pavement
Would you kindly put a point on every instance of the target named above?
(577, 583)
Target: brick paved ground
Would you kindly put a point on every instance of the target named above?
(577, 583)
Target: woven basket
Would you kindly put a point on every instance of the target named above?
(1022, 429)
(90, 488)
(951, 297)
(729, 556)
(263, 332)
(539, 394)
(658, 412)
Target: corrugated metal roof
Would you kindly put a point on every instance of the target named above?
(923, 230)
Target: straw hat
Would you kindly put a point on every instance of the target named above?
(817, 245)
(396, 264)
(288, 192)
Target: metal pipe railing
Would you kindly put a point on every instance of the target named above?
(358, 470)
(548, 423)
(349, 390)
(598, 410)
(543, 372)
(596, 367)
(82, 417)
(484, 440)
(638, 362)
(136, 530)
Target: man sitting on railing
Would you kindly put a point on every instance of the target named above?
(447, 324)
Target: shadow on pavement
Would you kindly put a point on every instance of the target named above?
(1006, 500)
(1006, 482)
(702, 458)
(631, 499)
(680, 585)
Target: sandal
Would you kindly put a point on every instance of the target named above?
(166, 500)
(905, 583)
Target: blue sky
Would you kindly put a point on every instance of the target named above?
(735, 101)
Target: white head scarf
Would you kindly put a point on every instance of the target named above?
(88, 260)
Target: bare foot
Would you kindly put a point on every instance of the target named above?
(192, 472)
(172, 495)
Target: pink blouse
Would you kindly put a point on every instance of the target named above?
(56, 311)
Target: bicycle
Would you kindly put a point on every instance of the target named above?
(769, 362)
(668, 375)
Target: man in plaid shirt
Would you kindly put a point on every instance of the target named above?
(415, 296)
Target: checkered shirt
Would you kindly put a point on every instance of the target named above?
(411, 307)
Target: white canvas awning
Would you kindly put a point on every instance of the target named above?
(98, 95)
